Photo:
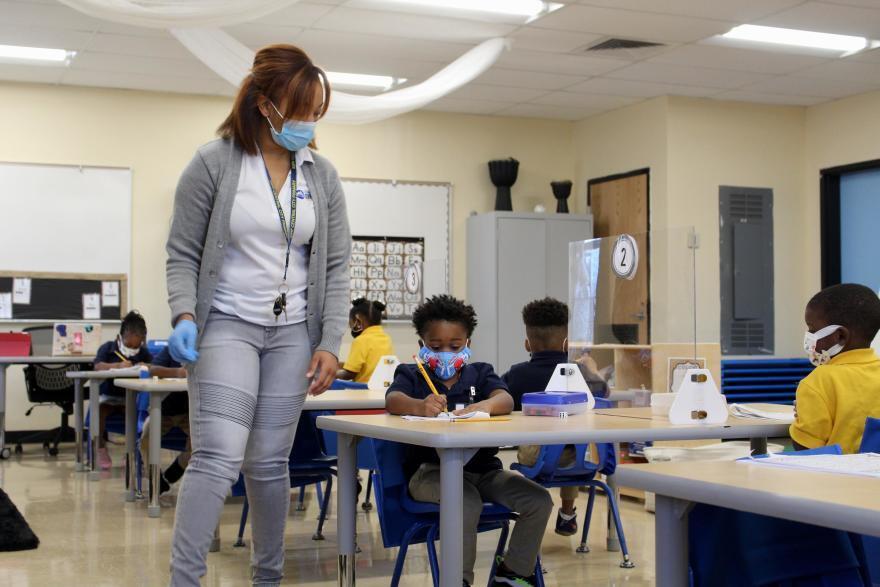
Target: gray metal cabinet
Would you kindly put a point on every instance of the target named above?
(514, 258)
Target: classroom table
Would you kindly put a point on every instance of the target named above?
(95, 378)
(457, 442)
(346, 399)
(843, 502)
(38, 360)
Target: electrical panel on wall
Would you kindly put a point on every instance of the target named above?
(746, 252)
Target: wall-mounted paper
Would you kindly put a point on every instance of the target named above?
(110, 294)
(21, 290)
(5, 306)
(91, 306)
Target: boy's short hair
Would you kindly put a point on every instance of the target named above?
(854, 306)
(447, 309)
(133, 323)
(546, 321)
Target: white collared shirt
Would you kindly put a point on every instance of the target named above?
(254, 263)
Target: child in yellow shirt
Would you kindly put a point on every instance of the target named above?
(370, 341)
(835, 399)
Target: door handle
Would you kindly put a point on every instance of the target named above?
(638, 315)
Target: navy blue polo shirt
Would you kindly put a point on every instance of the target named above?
(534, 375)
(480, 376)
(107, 354)
(177, 403)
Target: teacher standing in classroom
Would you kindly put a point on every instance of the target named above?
(258, 286)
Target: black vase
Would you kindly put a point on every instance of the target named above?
(561, 191)
(503, 174)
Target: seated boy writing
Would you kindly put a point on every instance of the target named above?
(445, 325)
(546, 324)
(835, 399)
(175, 414)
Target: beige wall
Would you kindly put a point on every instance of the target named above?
(156, 134)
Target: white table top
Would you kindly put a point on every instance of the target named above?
(343, 399)
(108, 374)
(588, 427)
(46, 359)
(845, 502)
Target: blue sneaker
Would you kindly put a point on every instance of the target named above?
(565, 525)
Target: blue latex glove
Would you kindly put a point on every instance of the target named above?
(182, 342)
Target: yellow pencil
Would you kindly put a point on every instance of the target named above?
(425, 375)
(494, 419)
(120, 356)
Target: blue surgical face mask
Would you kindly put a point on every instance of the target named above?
(445, 364)
(294, 134)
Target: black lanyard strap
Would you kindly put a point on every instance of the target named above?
(288, 233)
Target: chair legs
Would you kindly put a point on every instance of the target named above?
(591, 500)
(401, 555)
(499, 551)
(325, 502)
(301, 502)
(615, 513)
(245, 508)
(366, 505)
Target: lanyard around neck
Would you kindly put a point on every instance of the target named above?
(288, 232)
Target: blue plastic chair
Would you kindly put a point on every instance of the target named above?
(583, 473)
(404, 521)
(365, 459)
(174, 440)
(308, 465)
(871, 544)
(340, 384)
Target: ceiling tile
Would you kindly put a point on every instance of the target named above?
(737, 11)
(535, 39)
(137, 81)
(299, 14)
(475, 91)
(170, 68)
(828, 18)
(684, 75)
(636, 89)
(844, 69)
(702, 55)
(813, 86)
(781, 99)
(872, 56)
(592, 101)
(581, 65)
(410, 26)
(50, 16)
(467, 106)
(256, 35)
(345, 45)
(166, 47)
(630, 24)
(544, 111)
(528, 79)
(28, 73)
(862, 3)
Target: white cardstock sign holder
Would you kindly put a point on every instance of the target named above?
(568, 377)
(383, 374)
(698, 401)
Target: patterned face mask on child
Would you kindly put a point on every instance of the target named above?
(812, 338)
(445, 364)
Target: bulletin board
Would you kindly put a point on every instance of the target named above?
(406, 223)
(51, 297)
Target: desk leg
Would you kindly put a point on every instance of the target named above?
(671, 541)
(612, 541)
(94, 428)
(346, 507)
(130, 434)
(758, 446)
(451, 525)
(153, 509)
(4, 452)
(78, 424)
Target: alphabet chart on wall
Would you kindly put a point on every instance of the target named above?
(388, 269)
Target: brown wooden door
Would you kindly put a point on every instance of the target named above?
(620, 206)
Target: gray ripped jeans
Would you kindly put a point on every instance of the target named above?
(246, 393)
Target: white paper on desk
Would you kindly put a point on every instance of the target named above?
(110, 294)
(750, 412)
(864, 464)
(449, 417)
(5, 306)
(21, 290)
(91, 306)
(126, 371)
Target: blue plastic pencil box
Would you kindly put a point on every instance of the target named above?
(552, 403)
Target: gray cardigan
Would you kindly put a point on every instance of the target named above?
(200, 230)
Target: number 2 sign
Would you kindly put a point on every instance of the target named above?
(625, 258)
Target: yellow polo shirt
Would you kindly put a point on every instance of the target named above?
(366, 350)
(834, 400)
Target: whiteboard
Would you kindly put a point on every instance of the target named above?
(65, 218)
(406, 209)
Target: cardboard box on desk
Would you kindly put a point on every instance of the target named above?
(75, 338)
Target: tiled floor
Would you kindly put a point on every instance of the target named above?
(90, 536)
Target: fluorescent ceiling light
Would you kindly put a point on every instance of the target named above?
(798, 38)
(360, 80)
(16, 53)
(528, 8)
